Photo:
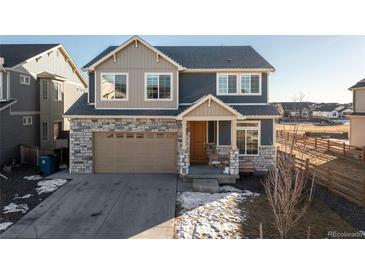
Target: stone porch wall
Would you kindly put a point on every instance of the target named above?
(183, 161)
(265, 160)
(81, 136)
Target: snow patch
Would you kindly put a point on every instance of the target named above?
(33, 177)
(4, 226)
(26, 196)
(212, 216)
(11, 208)
(50, 185)
(228, 188)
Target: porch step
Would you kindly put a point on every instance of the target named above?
(205, 185)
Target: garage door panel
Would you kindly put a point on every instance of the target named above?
(135, 152)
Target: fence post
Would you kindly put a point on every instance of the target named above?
(307, 166)
(328, 145)
(344, 148)
(315, 143)
(363, 192)
(329, 178)
(363, 155)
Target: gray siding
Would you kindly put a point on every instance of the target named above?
(13, 133)
(91, 87)
(192, 86)
(27, 95)
(136, 61)
(267, 132)
(224, 133)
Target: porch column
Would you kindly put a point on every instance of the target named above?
(234, 133)
(184, 122)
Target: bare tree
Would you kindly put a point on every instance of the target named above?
(288, 192)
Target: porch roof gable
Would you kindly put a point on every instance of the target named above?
(210, 100)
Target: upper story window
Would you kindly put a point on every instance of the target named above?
(158, 86)
(239, 84)
(27, 120)
(114, 86)
(58, 91)
(24, 80)
(44, 89)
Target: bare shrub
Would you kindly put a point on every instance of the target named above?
(288, 192)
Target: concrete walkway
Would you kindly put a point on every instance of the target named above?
(104, 206)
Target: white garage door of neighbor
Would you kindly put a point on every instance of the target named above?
(118, 152)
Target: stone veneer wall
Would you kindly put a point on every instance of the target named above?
(81, 136)
(183, 162)
(265, 160)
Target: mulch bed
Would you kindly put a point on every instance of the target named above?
(16, 185)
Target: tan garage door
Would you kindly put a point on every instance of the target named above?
(135, 152)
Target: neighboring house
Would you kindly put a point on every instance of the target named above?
(38, 82)
(295, 109)
(164, 109)
(327, 110)
(357, 118)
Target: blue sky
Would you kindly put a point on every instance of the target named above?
(321, 67)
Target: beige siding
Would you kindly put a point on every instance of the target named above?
(54, 62)
(214, 110)
(359, 100)
(136, 61)
(71, 94)
(357, 132)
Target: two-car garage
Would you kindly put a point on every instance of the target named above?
(142, 152)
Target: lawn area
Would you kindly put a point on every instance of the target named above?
(23, 191)
(314, 128)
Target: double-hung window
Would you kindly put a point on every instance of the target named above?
(114, 86)
(44, 89)
(45, 132)
(58, 91)
(227, 84)
(248, 138)
(250, 84)
(158, 86)
(24, 79)
(27, 120)
(238, 84)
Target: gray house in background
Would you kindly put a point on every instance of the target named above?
(173, 109)
(38, 83)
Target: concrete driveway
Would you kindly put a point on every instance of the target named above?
(104, 206)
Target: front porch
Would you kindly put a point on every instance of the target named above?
(207, 141)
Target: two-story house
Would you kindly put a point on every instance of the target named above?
(357, 117)
(166, 108)
(38, 83)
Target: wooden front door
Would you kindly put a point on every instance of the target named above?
(198, 139)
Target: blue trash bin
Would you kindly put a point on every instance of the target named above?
(46, 165)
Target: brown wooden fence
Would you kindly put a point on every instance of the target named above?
(344, 186)
(30, 154)
(322, 145)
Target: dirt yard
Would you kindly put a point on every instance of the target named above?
(23, 191)
(236, 213)
(314, 128)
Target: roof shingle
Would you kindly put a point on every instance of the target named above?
(207, 57)
(15, 54)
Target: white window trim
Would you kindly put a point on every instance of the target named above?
(59, 86)
(238, 84)
(171, 86)
(22, 80)
(114, 73)
(27, 120)
(41, 88)
(258, 128)
(44, 140)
